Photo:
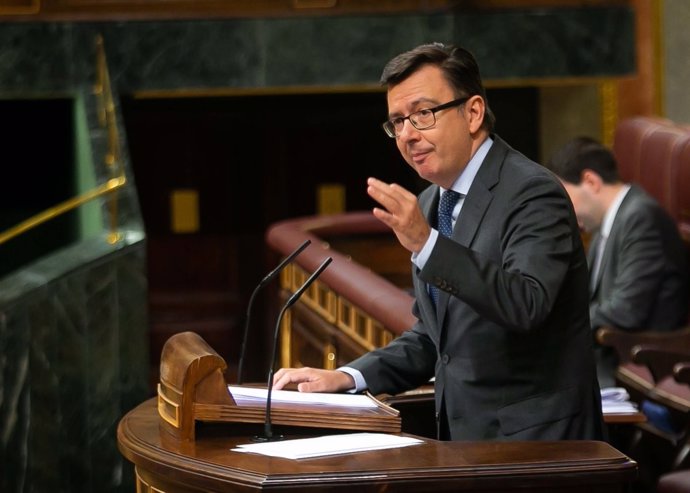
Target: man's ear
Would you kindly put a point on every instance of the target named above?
(474, 112)
(591, 179)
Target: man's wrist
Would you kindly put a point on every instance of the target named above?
(357, 379)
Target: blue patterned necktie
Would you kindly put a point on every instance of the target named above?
(445, 224)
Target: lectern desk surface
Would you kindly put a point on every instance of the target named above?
(166, 464)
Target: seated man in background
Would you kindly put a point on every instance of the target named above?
(638, 264)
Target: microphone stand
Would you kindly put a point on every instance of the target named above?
(268, 435)
(269, 277)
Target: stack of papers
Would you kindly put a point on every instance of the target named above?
(250, 395)
(616, 400)
(305, 448)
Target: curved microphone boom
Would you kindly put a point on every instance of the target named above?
(268, 278)
(268, 427)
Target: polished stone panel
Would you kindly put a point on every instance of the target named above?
(337, 51)
(35, 58)
(315, 51)
(74, 360)
(551, 43)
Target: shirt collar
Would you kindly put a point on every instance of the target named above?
(464, 181)
(610, 215)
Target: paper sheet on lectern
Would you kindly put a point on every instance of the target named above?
(304, 448)
(254, 395)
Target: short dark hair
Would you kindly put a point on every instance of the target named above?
(458, 65)
(580, 154)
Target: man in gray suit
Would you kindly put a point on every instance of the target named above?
(499, 270)
(638, 264)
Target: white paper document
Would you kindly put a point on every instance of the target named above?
(616, 400)
(304, 448)
(247, 395)
(618, 407)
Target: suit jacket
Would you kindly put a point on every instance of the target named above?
(509, 342)
(642, 281)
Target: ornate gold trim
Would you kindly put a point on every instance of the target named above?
(335, 309)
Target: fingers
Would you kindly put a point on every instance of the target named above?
(308, 379)
(286, 376)
(400, 212)
(313, 380)
(394, 198)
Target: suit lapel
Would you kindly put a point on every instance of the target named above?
(474, 207)
(479, 195)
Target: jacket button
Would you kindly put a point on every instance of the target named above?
(445, 358)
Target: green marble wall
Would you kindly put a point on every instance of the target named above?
(314, 51)
(73, 360)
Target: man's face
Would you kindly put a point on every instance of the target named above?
(585, 203)
(440, 153)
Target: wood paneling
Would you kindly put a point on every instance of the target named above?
(179, 9)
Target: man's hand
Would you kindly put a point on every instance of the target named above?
(401, 213)
(313, 380)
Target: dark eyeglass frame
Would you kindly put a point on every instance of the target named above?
(389, 126)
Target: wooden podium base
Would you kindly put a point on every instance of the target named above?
(165, 464)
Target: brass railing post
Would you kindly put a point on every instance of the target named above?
(107, 119)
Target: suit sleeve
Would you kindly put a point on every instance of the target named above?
(512, 277)
(406, 362)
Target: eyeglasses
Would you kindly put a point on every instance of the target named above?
(421, 120)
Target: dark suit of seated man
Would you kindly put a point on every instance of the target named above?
(500, 273)
(638, 263)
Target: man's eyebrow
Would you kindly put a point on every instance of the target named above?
(415, 104)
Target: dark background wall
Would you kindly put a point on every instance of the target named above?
(26, 190)
(256, 160)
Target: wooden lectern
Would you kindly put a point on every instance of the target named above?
(192, 388)
(170, 456)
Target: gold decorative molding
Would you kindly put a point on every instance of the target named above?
(220, 92)
(334, 309)
(19, 7)
(659, 45)
(330, 198)
(286, 340)
(608, 97)
(184, 211)
(314, 4)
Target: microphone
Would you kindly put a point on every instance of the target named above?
(269, 277)
(268, 435)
